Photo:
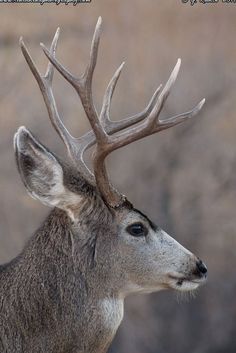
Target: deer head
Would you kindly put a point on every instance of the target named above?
(127, 251)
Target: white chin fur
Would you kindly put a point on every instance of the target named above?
(186, 285)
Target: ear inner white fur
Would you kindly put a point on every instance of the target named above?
(41, 173)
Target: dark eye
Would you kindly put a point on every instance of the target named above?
(137, 230)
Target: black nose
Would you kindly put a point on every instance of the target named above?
(201, 267)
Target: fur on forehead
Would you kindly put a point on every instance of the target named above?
(135, 214)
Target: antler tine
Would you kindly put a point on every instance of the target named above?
(50, 69)
(178, 119)
(105, 112)
(116, 126)
(45, 85)
(112, 127)
(88, 75)
(83, 84)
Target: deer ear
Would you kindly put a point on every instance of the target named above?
(41, 172)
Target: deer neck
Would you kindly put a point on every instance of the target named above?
(93, 310)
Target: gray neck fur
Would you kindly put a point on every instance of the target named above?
(52, 289)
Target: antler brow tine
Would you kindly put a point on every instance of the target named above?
(108, 135)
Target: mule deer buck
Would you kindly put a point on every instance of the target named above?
(65, 292)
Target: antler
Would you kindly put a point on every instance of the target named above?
(107, 135)
(75, 146)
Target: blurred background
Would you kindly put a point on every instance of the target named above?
(183, 178)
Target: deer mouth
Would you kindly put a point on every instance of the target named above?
(185, 283)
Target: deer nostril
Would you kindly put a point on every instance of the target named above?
(201, 267)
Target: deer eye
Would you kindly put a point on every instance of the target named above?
(137, 230)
